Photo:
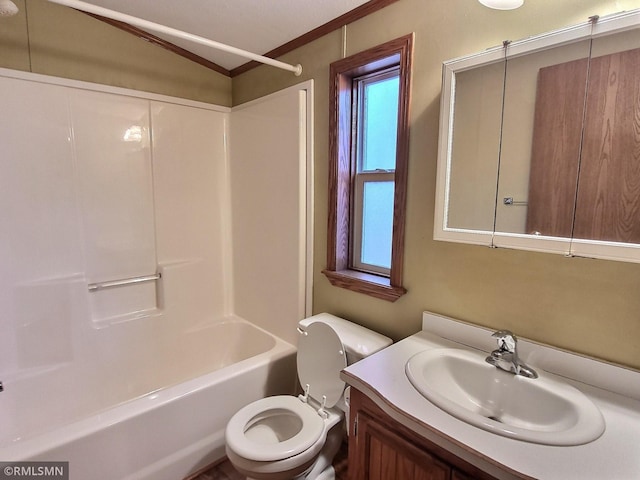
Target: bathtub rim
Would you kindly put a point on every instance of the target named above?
(37, 445)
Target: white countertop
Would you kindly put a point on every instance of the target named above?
(613, 456)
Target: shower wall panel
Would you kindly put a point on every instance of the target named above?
(40, 246)
(112, 146)
(97, 186)
(191, 198)
(269, 211)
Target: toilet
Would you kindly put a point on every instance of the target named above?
(296, 437)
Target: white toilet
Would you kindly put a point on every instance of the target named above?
(288, 437)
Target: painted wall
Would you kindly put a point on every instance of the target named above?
(54, 40)
(588, 306)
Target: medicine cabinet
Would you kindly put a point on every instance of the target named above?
(539, 145)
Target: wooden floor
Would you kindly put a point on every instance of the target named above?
(225, 471)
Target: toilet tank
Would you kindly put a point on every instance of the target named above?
(359, 342)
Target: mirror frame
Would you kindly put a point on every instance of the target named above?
(595, 27)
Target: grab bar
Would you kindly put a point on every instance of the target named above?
(93, 287)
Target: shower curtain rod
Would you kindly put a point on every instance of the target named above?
(147, 25)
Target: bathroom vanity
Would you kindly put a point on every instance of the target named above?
(396, 432)
(381, 444)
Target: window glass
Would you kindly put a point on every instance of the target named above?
(377, 223)
(379, 123)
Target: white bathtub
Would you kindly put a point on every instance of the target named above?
(171, 429)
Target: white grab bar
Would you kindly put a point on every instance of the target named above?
(93, 287)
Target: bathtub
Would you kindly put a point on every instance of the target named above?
(162, 423)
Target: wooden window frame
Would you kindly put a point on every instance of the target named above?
(398, 52)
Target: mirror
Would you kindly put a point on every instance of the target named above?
(540, 143)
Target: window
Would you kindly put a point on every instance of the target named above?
(376, 116)
(368, 148)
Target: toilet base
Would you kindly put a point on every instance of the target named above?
(327, 474)
(320, 469)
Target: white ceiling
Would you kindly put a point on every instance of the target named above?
(258, 26)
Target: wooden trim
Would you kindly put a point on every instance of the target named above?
(349, 17)
(367, 283)
(148, 37)
(402, 162)
(345, 19)
(339, 183)
(341, 125)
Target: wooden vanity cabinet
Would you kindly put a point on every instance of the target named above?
(382, 449)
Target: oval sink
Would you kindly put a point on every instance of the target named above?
(541, 410)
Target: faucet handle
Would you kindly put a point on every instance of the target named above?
(507, 341)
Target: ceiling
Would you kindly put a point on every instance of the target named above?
(258, 26)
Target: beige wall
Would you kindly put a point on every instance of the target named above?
(589, 306)
(53, 40)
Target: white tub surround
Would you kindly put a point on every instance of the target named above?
(271, 194)
(104, 187)
(615, 391)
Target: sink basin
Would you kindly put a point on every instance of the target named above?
(541, 410)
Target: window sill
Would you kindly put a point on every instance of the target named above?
(373, 285)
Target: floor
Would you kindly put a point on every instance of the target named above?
(225, 471)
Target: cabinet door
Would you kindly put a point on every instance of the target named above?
(385, 455)
(458, 475)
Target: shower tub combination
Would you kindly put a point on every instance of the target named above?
(172, 428)
(138, 381)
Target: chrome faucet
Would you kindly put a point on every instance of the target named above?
(505, 357)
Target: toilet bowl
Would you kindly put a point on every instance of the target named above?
(288, 437)
(279, 437)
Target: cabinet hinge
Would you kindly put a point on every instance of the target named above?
(355, 426)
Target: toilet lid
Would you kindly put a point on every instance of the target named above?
(321, 357)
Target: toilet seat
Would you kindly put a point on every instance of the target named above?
(312, 427)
